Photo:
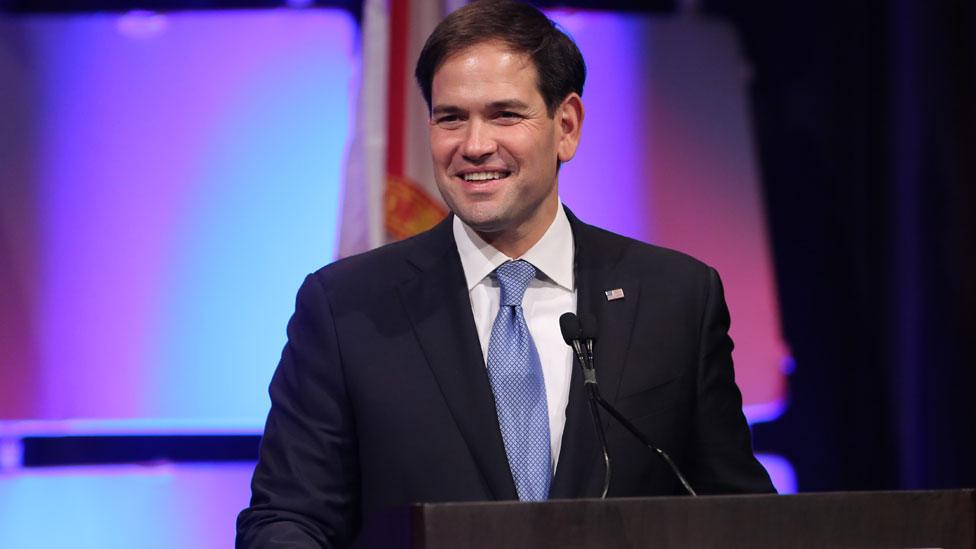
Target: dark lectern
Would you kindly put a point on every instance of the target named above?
(854, 519)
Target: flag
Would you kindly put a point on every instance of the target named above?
(389, 191)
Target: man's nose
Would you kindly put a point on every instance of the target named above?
(479, 143)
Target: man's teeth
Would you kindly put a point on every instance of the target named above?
(483, 176)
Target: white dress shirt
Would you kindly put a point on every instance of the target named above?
(548, 296)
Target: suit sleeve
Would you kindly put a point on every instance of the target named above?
(305, 486)
(722, 459)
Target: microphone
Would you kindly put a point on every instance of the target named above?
(573, 333)
(588, 325)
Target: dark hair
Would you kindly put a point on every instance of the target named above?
(521, 27)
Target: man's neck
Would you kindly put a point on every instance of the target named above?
(518, 240)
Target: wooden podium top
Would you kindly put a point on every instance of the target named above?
(840, 519)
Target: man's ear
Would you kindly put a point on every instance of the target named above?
(569, 121)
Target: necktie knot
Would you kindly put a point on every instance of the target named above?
(513, 278)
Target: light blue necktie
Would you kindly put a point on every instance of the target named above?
(520, 392)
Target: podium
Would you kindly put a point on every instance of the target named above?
(843, 519)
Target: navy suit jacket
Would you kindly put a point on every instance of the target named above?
(382, 398)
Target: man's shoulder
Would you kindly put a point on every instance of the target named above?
(383, 267)
(636, 256)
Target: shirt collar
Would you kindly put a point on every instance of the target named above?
(552, 254)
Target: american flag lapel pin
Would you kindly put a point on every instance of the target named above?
(616, 293)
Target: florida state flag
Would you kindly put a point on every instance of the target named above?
(389, 190)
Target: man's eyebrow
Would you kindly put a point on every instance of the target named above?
(508, 104)
(445, 109)
(501, 105)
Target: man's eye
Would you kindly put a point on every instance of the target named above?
(448, 120)
(508, 117)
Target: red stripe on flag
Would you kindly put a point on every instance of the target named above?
(396, 92)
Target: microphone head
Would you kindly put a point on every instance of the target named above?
(569, 325)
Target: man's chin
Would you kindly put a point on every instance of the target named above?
(483, 222)
(484, 226)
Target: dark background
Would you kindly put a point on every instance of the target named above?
(865, 121)
(865, 117)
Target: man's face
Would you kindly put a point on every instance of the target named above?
(495, 148)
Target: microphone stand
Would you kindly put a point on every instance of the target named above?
(572, 332)
(593, 399)
(593, 391)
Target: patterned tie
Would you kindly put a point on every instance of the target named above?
(520, 392)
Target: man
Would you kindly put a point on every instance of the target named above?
(433, 370)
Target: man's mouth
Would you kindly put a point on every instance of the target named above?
(483, 176)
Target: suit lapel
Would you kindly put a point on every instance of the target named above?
(580, 469)
(437, 303)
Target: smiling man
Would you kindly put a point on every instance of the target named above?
(433, 369)
(497, 144)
